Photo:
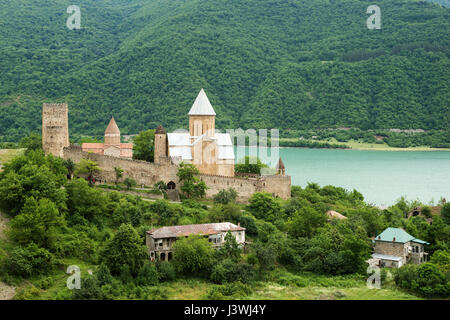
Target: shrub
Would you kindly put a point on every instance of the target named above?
(30, 293)
(425, 279)
(130, 183)
(148, 275)
(89, 290)
(103, 275)
(230, 290)
(30, 260)
(166, 271)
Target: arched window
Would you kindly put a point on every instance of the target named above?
(171, 185)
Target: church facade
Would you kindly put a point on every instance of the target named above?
(210, 151)
(111, 145)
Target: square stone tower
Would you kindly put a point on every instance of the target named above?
(55, 128)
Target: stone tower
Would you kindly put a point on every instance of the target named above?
(112, 134)
(202, 117)
(55, 128)
(160, 144)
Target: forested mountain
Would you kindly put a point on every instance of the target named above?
(263, 63)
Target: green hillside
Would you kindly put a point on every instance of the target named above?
(264, 63)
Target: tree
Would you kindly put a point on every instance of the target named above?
(192, 186)
(31, 142)
(263, 206)
(130, 183)
(37, 222)
(305, 222)
(70, 166)
(445, 212)
(119, 174)
(193, 254)
(144, 146)
(124, 249)
(230, 248)
(89, 168)
(85, 203)
(32, 174)
(225, 196)
(249, 165)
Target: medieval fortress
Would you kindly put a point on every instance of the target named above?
(211, 152)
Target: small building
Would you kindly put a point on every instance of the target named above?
(160, 241)
(395, 247)
(112, 145)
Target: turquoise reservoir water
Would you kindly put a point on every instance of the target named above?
(381, 176)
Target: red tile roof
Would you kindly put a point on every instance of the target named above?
(92, 145)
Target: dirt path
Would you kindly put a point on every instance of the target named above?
(6, 292)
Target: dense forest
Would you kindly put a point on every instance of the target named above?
(288, 64)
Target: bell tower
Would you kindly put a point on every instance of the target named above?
(202, 117)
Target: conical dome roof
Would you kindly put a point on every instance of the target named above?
(280, 164)
(112, 127)
(202, 106)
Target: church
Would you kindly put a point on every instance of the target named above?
(210, 151)
(112, 145)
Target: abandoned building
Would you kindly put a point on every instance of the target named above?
(160, 241)
(395, 247)
(111, 145)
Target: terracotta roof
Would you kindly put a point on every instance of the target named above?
(160, 130)
(92, 145)
(126, 146)
(112, 127)
(280, 164)
(334, 214)
(185, 230)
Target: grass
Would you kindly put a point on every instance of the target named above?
(311, 287)
(8, 154)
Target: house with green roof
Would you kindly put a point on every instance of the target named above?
(395, 247)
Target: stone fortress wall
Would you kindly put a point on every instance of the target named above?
(145, 173)
(148, 173)
(55, 140)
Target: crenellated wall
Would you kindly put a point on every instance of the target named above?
(278, 186)
(166, 169)
(146, 173)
